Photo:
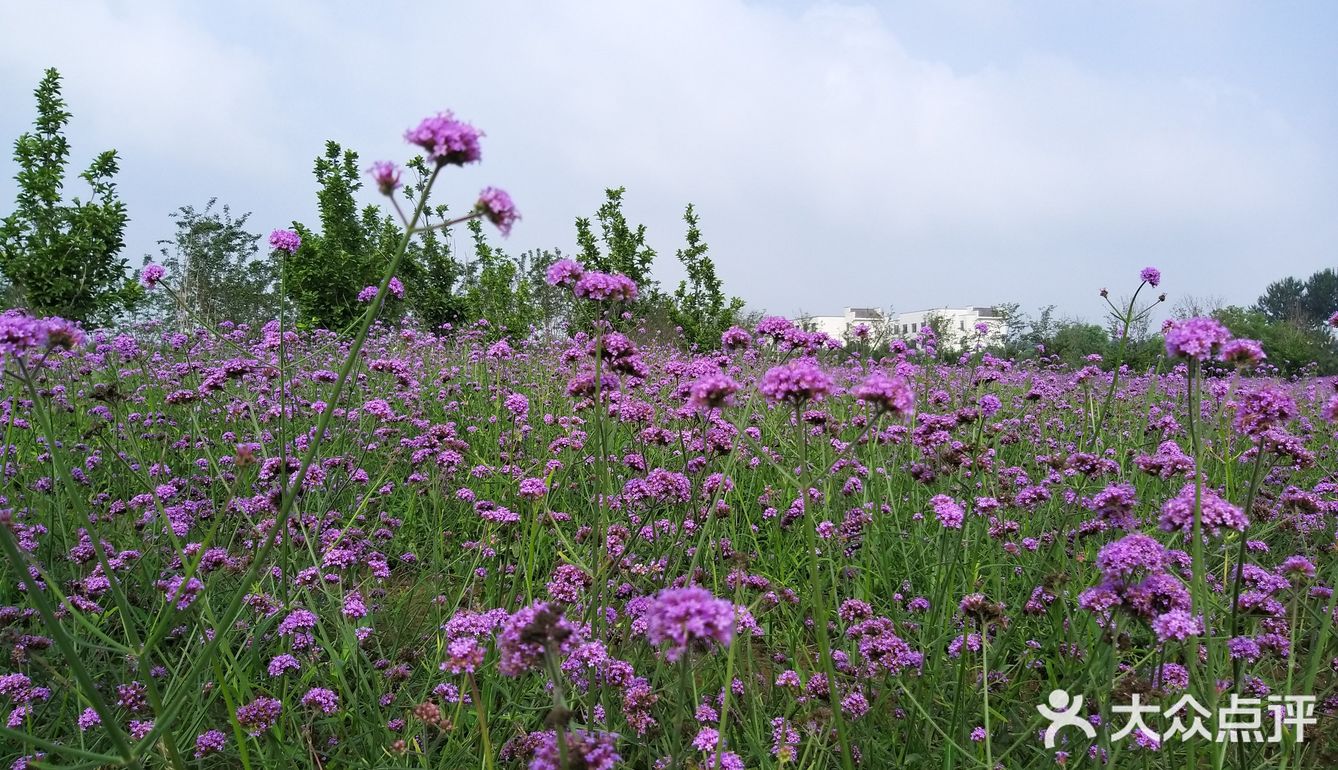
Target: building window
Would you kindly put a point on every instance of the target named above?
(915, 327)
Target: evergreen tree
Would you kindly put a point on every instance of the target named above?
(1321, 296)
(1283, 300)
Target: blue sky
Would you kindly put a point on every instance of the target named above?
(889, 154)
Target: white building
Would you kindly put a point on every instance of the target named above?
(958, 324)
(841, 326)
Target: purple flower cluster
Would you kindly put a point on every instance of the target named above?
(948, 511)
(565, 272)
(446, 140)
(712, 391)
(209, 742)
(151, 275)
(685, 617)
(1196, 338)
(321, 699)
(1263, 407)
(585, 749)
(1131, 555)
(1243, 353)
(498, 208)
(287, 241)
(529, 634)
(605, 287)
(890, 395)
(386, 175)
(797, 382)
(1177, 514)
(259, 715)
(20, 332)
(1176, 625)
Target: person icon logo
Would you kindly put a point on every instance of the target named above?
(1063, 712)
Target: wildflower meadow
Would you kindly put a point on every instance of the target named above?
(399, 545)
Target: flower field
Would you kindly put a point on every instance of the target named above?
(264, 547)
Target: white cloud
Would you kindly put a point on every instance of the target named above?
(830, 165)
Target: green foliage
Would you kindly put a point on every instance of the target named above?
(625, 250)
(1022, 333)
(1306, 303)
(61, 258)
(699, 304)
(553, 305)
(1321, 296)
(430, 272)
(214, 271)
(1073, 341)
(1290, 346)
(1283, 300)
(497, 292)
(325, 275)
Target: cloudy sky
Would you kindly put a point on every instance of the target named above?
(904, 154)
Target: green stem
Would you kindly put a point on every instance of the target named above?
(816, 579)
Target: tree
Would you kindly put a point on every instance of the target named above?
(553, 305)
(62, 258)
(699, 304)
(1289, 347)
(1321, 296)
(497, 292)
(326, 273)
(1022, 333)
(1283, 300)
(1074, 341)
(431, 274)
(1191, 306)
(218, 277)
(625, 249)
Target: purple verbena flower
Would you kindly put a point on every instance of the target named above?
(285, 240)
(797, 381)
(447, 141)
(712, 391)
(1176, 624)
(497, 207)
(209, 742)
(259, 715)
(892, 395)
(684, 617)
(585, 749)
(321, 699)
(565, 272)
(603, 287)
(151, 275)
(386, 175)
(1129, 555)
(1196, 338)
(1243, 353)
(948, 511)
(1177, 513)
